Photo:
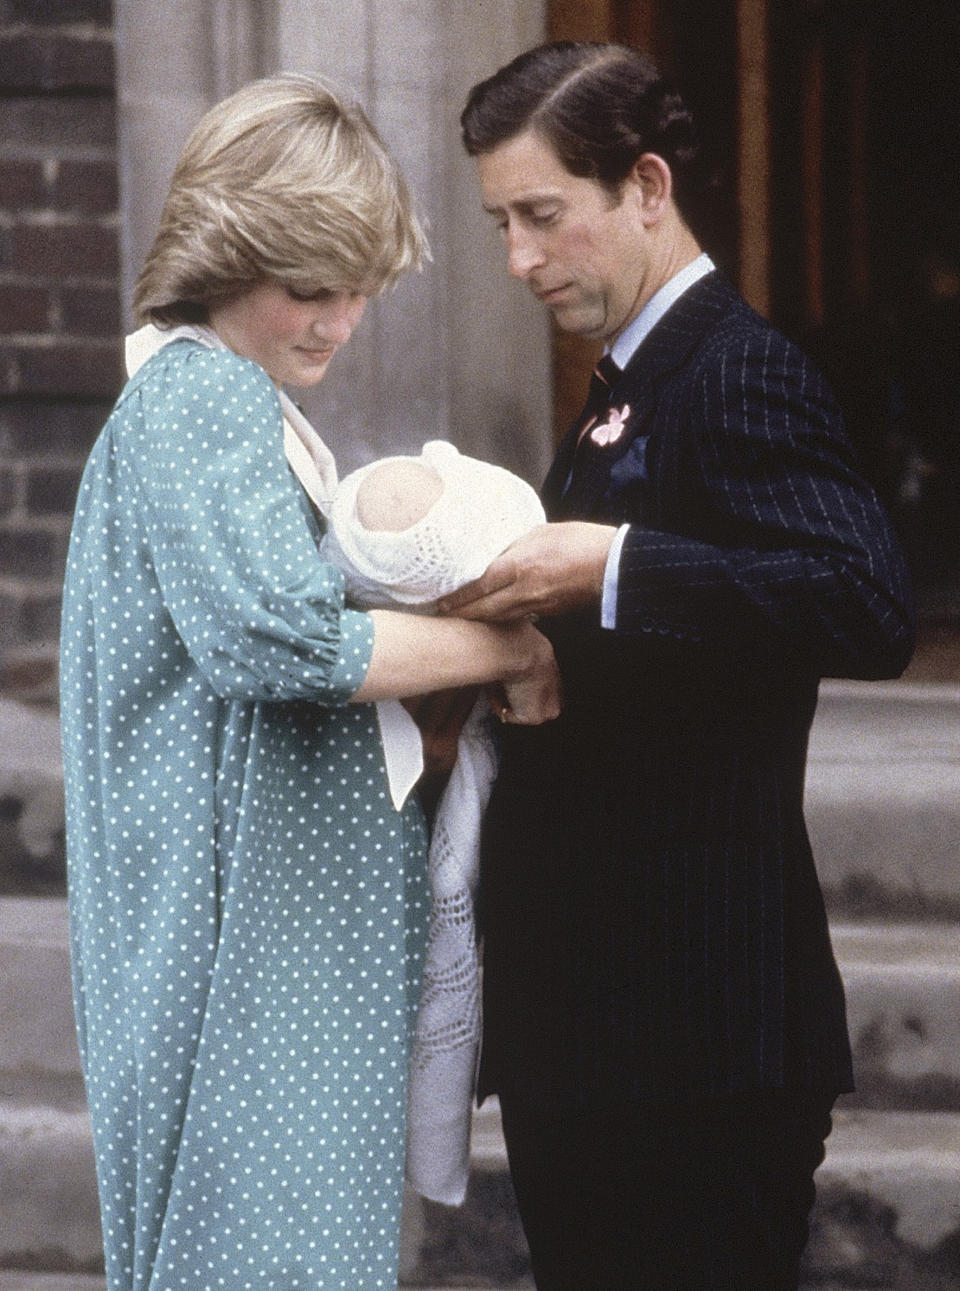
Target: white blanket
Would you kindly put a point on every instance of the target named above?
(481, 510)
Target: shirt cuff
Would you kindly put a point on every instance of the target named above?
(611, 575)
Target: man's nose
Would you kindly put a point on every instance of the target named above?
(523, 253)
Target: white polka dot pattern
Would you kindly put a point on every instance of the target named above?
(248, 910)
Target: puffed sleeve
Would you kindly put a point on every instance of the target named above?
(260, 614)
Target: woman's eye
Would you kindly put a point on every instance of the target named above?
(541, 218)
(308, 294)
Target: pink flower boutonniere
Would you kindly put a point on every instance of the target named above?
(609, 431)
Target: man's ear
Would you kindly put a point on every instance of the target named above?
(654, 186)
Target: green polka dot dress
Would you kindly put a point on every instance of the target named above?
(248, 911)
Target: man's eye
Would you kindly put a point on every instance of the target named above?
(542, 218)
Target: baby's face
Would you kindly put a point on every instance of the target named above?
(397, 494)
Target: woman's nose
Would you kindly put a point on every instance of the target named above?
(346, 312)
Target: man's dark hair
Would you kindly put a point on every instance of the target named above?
(599, 106)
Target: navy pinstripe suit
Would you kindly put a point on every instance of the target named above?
(654, 925)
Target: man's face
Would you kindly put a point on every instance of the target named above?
(580, 252)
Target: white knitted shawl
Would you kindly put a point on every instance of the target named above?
(481, 511)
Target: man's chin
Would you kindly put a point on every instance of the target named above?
(578, 321)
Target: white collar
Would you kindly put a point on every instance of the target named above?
(310, 459)
(629, 340)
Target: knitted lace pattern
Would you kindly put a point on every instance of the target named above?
(481, 511)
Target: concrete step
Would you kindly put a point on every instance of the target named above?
(37, 1031)
(887, 1213)
(888, 1203)
(13, 1280)
(48, 1199)
(27, 1280)
(883, 797)
(24, 1280)
(902, 981)
(31, 792)
(903, 1007)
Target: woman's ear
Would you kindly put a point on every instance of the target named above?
(654, 182)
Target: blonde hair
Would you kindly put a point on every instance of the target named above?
(282, 180)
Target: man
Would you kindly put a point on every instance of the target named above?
(664, 1020)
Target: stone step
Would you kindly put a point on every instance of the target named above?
(37, 1031)
(883, 797)
(887, 1212)
(903, 1008)
(48, 1212)
(28, 1280)
(888, 1202)
(18, 1280)
(902, 982)
(24, 1280)
(31, 791)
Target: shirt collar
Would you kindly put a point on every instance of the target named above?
(627, 343)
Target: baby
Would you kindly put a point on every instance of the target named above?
(406, 531)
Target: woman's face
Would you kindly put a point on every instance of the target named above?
(292, 337)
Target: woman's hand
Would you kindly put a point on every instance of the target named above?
(536, 694)
(415, 654)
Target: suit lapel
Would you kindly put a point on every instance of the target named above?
(664, 350)
(552, 491)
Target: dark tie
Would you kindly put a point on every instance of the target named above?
(598, 396)
(598, 400)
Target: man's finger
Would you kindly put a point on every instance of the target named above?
(494, 580)
(498, 607)
(465, 595)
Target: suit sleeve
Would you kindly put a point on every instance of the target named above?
(787, 548)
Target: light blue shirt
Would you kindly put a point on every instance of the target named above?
(622, 351)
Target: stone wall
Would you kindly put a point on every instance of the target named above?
(458, 352)
(90, 90)
(59, 304)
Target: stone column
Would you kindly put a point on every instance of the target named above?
(459, 351)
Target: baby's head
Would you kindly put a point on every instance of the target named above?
(408, 529)
(396, 494)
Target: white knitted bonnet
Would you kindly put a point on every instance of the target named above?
(481, 510)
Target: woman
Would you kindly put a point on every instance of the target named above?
(247, 902)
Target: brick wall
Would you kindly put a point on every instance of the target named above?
(60, 352)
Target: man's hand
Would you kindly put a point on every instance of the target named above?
(553, 569)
